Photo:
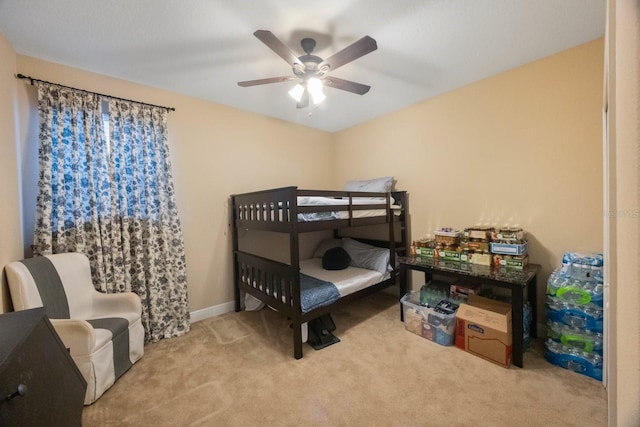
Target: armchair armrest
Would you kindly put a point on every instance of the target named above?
(107, 304)
(77, 335)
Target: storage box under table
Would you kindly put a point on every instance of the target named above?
(436, 324)
(484, 329)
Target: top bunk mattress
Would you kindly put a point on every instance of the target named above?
(340, 204)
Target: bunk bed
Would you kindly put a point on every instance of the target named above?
(285, 286)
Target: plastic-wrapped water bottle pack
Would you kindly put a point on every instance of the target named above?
(571, 358)
(570, 289)
(581, 339)
(586, 316)
(583, 267)
(575, 299)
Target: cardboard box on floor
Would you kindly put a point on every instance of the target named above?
(483, 328)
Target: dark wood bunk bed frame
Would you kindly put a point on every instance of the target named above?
(278, 284)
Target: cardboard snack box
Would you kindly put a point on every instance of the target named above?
(461, 292)
(447, 236)
(509, 234)
(482, 234)
(479, 258)
(448, 255)
(426, 252)
(509, 248)
(475, 246)
(483, 328)
(515, 262)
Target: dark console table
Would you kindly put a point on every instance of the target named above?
(517, 281)
(40, 384)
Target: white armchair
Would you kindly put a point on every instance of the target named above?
(103, 332)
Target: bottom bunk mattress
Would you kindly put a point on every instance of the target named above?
(320, 287)
(323, 287)
(347, 281)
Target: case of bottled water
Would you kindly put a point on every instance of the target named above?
(573, 359)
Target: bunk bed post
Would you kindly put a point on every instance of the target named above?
(392, 238)
(404, 238)
(236, 273)
(294, 256)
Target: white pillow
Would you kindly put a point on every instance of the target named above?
(367, 256)
(376, 185)
(325, 245)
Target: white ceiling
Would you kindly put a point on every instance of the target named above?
(202, 48)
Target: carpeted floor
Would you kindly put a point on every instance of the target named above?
(238, 370)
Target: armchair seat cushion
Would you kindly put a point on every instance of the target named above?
(103, 332)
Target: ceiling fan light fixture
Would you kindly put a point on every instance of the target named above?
(296, 92)
(318, 97)
(315, 86)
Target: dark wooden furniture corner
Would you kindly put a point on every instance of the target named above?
(40, 384)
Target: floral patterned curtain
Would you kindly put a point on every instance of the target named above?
(113, 199)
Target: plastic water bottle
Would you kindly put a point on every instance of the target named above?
(527, 320)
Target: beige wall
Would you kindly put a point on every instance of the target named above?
(10, 223)
(623, 222)
(520, 148)
(216, 151)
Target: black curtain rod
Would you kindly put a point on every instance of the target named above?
(31, 79)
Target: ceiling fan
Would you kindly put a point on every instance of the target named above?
(310, 71)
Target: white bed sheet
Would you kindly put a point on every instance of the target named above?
(324, 201)
(314, 200)
(348, 281)
(342, 214)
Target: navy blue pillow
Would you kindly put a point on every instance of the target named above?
(335, 259)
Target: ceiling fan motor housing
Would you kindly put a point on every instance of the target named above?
(310, 61)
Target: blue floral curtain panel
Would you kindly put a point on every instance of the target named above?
(113, 199)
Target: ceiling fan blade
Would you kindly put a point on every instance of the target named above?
(304, 99)
(354, 51)
(347, 85)
(265, 81)
(278, 47)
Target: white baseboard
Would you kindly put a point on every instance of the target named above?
(213, 311)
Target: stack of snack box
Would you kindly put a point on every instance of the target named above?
(509, 248)
(448, 244)
(504, 247)
(425, 248)
(475, 245)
